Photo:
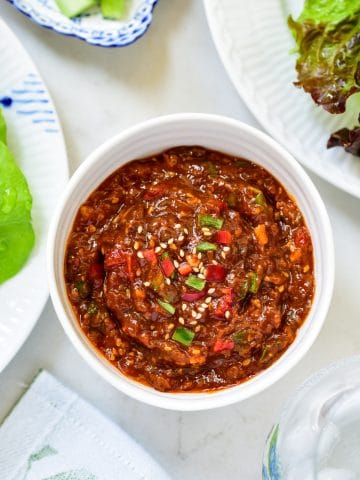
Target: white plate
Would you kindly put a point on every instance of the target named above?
(35, 138)
(254, 43)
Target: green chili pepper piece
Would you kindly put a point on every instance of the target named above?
(260, 199)
(210, 221)
(239, 336)
(195, 282)
(244, 289)
(254, 282)
(167, 306)
(206, 247)
(183, 335)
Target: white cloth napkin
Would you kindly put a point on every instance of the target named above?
(52, 434)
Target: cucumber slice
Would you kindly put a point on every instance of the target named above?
(72, 8)
(114, 9)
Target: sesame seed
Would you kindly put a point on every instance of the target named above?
(211, 290)
(199, 255)
(170, 241)
(198, 316)
(193, 313)
(140, 229)
(136, 245)
(201, 265)
(194, 251)
(196, 270)
(157, 249)
(140, 254)
(214, 262)
(146, 284)
(281, 288)
(205, 230)
(181, 238)
(182, 253)
(170, 326)
(127, 291)
(201, 309)
(163, 245)
(227, 314)
(186, 231)
(138, 272)
(204, 305)
(167, 348)
(208, 299)
(167, 336)
(184, 307)
(200, 275)
(226, 249)
(197, 328)
(176, 264)
(223, 254)
(207, 234)
(193, 322)
(149, 235)
(181, 321)
(177, 225)
(168, 281)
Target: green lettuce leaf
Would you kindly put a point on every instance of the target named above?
(327, 34)
(16, 233)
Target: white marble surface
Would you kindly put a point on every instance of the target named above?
(98, 92)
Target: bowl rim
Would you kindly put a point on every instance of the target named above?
(230, 395)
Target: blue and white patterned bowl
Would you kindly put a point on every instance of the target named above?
(92, 27)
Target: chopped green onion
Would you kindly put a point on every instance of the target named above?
(264, 354)
(206, 247)
(210, 221)
(164, 255)
(183, 335)
(244, 289)
(239, 336)
(260, 199)
(254, 282)
(211, 168)
(195, 282)
(92, 308)
(242, 163)
(167, 306)
(82, 288)
(231, 200)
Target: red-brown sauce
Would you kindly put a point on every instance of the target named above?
(190, 270)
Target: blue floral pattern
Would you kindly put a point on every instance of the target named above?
(271, 465)
(90, 28)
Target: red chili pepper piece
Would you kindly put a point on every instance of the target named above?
(96, 273)
(215, 205)
(115, 258)
(118, 257)
(301, 237)
(167, 267)
(223, 236)
(225, 303)
(154, 191)
(193, 296)
(215, 273)
(150, 255)
(184, 269)
(221, 345)
(131, 265)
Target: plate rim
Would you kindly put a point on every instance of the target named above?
(115, 44)
(242, 91)
(44, 294)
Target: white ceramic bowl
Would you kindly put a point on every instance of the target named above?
(234, 138)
